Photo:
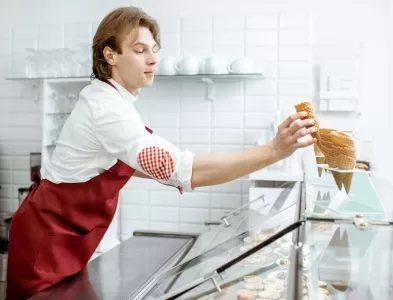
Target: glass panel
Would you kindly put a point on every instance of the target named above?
(348, 263)
(254, 215)
(245, 228)
(263, 273)
(369, 195)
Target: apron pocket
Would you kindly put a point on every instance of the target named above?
(67, 254)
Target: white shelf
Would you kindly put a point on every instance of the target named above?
(275, 176)
(208, 79)
(197, 76)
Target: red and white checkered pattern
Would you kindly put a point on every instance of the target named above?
(156, 162)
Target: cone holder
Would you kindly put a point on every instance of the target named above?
(362, 199)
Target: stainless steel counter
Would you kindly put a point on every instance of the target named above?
(122, 271)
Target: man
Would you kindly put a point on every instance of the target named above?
(102, 145)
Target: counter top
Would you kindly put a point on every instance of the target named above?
(119, 273)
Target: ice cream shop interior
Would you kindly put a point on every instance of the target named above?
(209, 149)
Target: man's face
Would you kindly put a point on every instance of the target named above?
(134, 68)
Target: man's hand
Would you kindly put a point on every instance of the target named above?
(289, 132)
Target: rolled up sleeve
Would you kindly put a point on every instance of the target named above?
(122, 134)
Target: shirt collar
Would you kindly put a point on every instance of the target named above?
(122, 91)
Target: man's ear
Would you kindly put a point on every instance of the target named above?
(110, 55)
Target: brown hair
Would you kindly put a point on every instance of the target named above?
(112, 31)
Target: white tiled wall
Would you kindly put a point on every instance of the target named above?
(276, 35)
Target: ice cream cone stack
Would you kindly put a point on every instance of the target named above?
(339, 151)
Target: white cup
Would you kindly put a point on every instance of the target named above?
(167, 66)
(242, 65)
(215, 65)
(188, 65)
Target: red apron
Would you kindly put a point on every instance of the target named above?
(57, 228)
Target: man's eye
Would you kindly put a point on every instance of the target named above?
(139, 50)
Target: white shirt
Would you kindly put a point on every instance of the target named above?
(104, 126)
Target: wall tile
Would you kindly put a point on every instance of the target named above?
(5, 48)
(196, 136)
(166, 199)
(226, 23)
(233, 52)
(77, 30)
(195, 200)
(164, 226)
(228, 104)
(170, 134)
(229, 187)
(295, 88)
(260, 103)
(49, 43)
(294, 37)
(5, 163)
(261, 37)
(196, 148)
(228, 38)
(294, 53)
(133, 197)
(129, 226)
(5, 177)
(20, 133)
(20, 45)
(168, 25)
(193, 228)
(226, 201)
(227, 120)
(134, 212)
(6, 191)
(262, 53)
(227, 136)
(295, 70)
(194, 215)
(24, 31)
(21, 163)
(137, 183)
(260, 87)
(50, 31)
(199, 104)
(262, 21)
(196, 39)
(255, 120)
(216, 214)
(170, 44)
(167, 214)
(21, 177)
(191, 24)
(20, 120)
(291, 20)
(163, 119)
(194, 120)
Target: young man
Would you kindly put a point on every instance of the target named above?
(102, 145)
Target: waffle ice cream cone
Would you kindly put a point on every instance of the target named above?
(320, 160)
(346, 163)
(307, 107)
(319, 157)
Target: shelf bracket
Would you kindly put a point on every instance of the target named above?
(210, 88)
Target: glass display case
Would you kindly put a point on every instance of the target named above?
(314, 242)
